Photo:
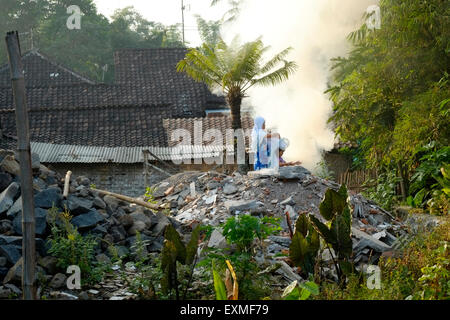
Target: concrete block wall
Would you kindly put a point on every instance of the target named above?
(126, 179)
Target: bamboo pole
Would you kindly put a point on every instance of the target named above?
(67, 184)
(128, 199)
(26, 178)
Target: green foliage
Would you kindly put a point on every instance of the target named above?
(391, 94)
(219, 285)
(234, 69)
(209, 30)
(384, 190)
(445, 180)
(322, 171)
(418, 199)
(253, 285)
(229, 66)
(89, 49)
(71, 248)
(419, 272)
(336, 210)
(149, 195)
(429, 172)
(435, 279)
(305, 245)
(175, 251)
(300, 291)
(244, 229)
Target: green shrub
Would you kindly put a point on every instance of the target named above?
(244, 229)
(69, 247)
(420, 271)
(384, 190)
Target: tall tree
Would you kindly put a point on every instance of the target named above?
(235, 69)
(209, 30)
(88, 49)
(395, 79)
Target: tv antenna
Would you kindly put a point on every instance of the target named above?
(183, 8)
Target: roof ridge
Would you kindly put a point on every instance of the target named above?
(37, 53)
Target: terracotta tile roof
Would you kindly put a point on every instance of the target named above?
(112, 126)
(129, 113)
(56, 97)
(157, 67)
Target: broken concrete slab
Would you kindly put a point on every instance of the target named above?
(7, 197)
(289, 201)
(286, 271)
(229, 188)
(370, 241)
(240, 205)
(217, 240)
(292, 172)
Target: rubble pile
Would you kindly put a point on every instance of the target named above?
(185, 199)
(114, 221)
(211, 198)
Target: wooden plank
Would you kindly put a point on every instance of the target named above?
(128, 199)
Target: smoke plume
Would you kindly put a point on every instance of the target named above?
(317, 31)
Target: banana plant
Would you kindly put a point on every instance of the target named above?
(228, 290)
(174, 251)
(305, 245)
(337, 232)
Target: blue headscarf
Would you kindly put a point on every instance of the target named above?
(259, 144)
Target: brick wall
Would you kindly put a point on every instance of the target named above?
(126, 179)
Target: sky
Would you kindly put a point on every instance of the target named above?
(168, 12)
(316, 30)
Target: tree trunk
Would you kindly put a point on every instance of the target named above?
(234, 100)
(403, 182)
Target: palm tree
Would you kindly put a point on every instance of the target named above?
(235, 69)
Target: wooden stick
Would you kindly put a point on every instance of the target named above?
(288, 220)
(161, 161)
(26, 176)
(128, 199)
(159, 169)
(67, 184)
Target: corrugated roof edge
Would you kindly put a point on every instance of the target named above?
(57, 153)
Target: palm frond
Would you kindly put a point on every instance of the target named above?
(276, 77)
(280, 57)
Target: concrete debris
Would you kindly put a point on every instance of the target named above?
(185, 199)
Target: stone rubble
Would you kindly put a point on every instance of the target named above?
(269, 193)
(186, 199)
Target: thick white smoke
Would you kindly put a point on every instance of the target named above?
(317, 30)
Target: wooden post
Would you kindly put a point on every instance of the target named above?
(26, 178)
(145, 152)
(67, 184)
